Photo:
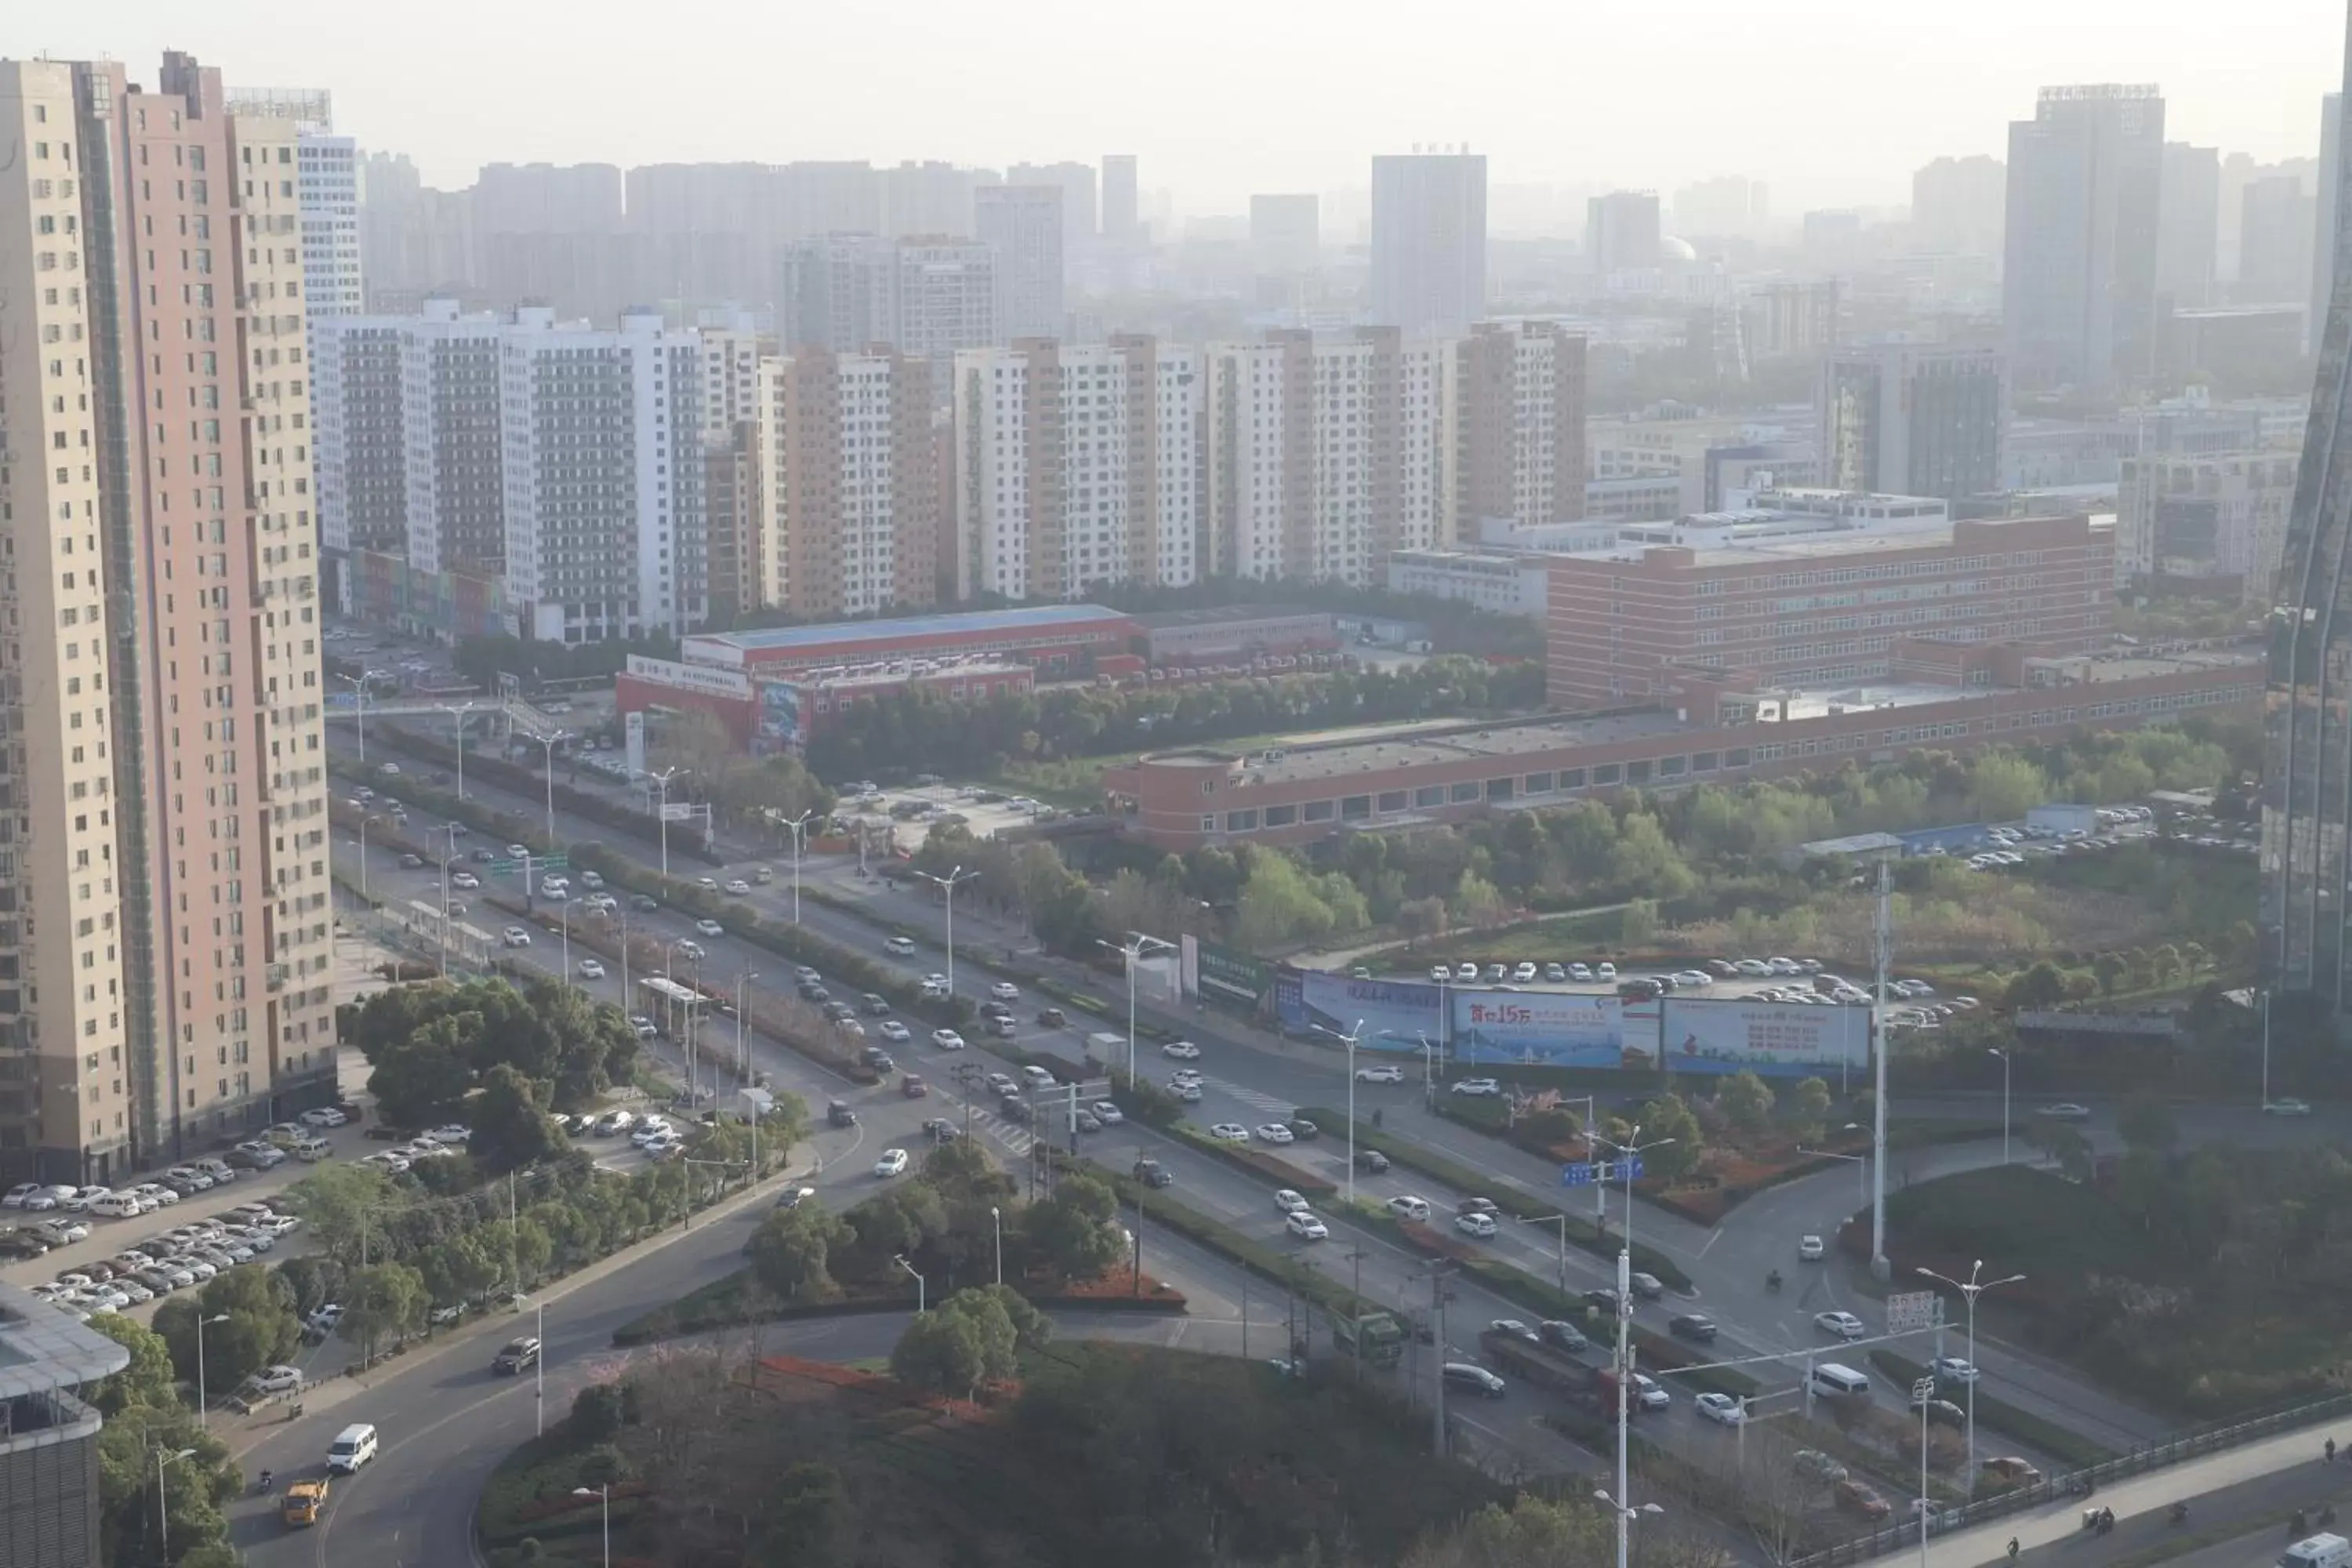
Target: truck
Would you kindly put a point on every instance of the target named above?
(1376, 1337)
(302, 1502)
(1547, 1368)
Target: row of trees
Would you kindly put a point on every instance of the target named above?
(740, 790)
(146, 1415)
(924, 731)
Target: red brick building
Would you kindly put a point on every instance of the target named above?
(1760, 606)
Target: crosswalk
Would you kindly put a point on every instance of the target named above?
(1256, 1100)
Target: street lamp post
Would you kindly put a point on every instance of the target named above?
(922, 1286)
(539, 1362)
(661, 782)
(457, 712)
(798, 826)
(947, 885)
(1561, 1219)
(996, 1225)
(1923, 1394)
(1625, 1515)
(358, 683)
(1628, 1153)
(567, 943)
(163, 1511)
(204, 1405)
(604, 1495)
(1996, 1050)
(743, 1010)
(448, 853)
(1861, 1171)
(363, 872)
(1348, 1040)
(1133, 949)
(550, 740)
(1969, 1291)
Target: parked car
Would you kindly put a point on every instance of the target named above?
(1483, 1088)
(1844, 1325)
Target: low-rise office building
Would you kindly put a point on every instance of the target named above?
(48, 1436)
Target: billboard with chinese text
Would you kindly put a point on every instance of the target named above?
(1395, 1014)
(1769, 1038)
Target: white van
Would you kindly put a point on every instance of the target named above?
(353, 1446)
(313, 1147)
(2317, 1552)
(1834, 1381)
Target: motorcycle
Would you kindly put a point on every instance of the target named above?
(2179, 1516)
(1772, 1281)
(265, 1483)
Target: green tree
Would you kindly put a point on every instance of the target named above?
(383, 1299)
(791, 1252)
(460, 1270)
(2039, 987)
(1807, 1109)
(1745, 1101)
(1075, 1230)
(336, 1201)
(1533, 1533)
(261, 1331)
(314, 1280)
(195, 1489)
(1031, 1329)
(511, 1127)
(2108, 968)
(941, 1351)
(2004, 786)
(1668, 1122)
(148, 1380)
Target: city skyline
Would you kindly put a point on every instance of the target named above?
(2254, 87)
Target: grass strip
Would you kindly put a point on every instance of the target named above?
(2068, 1447)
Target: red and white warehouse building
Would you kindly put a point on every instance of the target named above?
(1854, 645)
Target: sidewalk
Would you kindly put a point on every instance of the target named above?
(244, 1432)
(2230, 1494)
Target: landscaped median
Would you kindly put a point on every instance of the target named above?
(2069, 1448)
(736, 1301)
(1510, 1199)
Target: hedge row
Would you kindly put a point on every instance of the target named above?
(720, 1305)
(1275, 1268)
(1510, 1199)
(2069, 1448)
(1250, 1161)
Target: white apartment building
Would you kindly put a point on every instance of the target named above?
(1024, 226)
(600, 437)
(1076, 465)
(328, 182)
(1326, 452)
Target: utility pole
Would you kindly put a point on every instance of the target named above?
(1885, 956)
(947, 885)
(1437, 1359)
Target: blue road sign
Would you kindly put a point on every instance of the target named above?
(1601, 1171)
(1576, 1175)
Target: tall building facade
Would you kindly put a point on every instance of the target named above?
(1326, 453)
(1429, 242)
(1958, 205)
(732, 348)
(927, 295)
(1076, 465)
(2189, 224)
(1122, 222)
(849, 483)
(1621, 232)
(2214, 523)
(1024, 226)
(1081, 205)
(2079, 274)
(1913, 419)
(2307, 792)
(602, 462)
(1518, 409)
(164, 919)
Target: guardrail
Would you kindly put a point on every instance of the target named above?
(2148, 1457)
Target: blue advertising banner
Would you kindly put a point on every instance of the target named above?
(1395, 1012)
(1548, 1028)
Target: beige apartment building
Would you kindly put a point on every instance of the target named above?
(165, 920)
(848, 486)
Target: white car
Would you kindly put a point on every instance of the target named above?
(1484, 1087)
(1524, 972)
(1439, 975)
(515, 936)
(1957, 1368)
(1290, 1202)
(1844, 1325)
(1720, 1407)
(1407, 1206)
(893, 1163)
(1380, 1075)
(1230, 1133)
(1649, 1393)
(323, 1116)
(465, 879)
(1107, 1113)
(1307, 1227)
(1604, 970)
(2287, 1107)
(1809, 1250)
(1181, 1050)
(899, 947)
(592, 969)
(1580, 972)
(934, 987)
(1186, 1089)
(740, 888)
(709, 928)
(1274, 1133)
(451, 1132)
(895, 1032)
(691, 949)
(16, 1196)
(157, 1193)
(1005, 991)
(1481, 1225)
(947, 1039)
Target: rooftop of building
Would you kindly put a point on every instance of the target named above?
(898, 671)
(969, 623)
(1224, 615)
(42, 1348)
(1345, 758)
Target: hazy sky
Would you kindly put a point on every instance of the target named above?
(1832, 101)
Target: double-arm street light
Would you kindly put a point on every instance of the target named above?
(1133, 949)
(358, 683)
(661, 816)
(1625, 1515)
(1628, 1154)
(1350, 1040)
(1969, 1291)
(550, 740)
(457, 712)
(947, 885)
(798, 827)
